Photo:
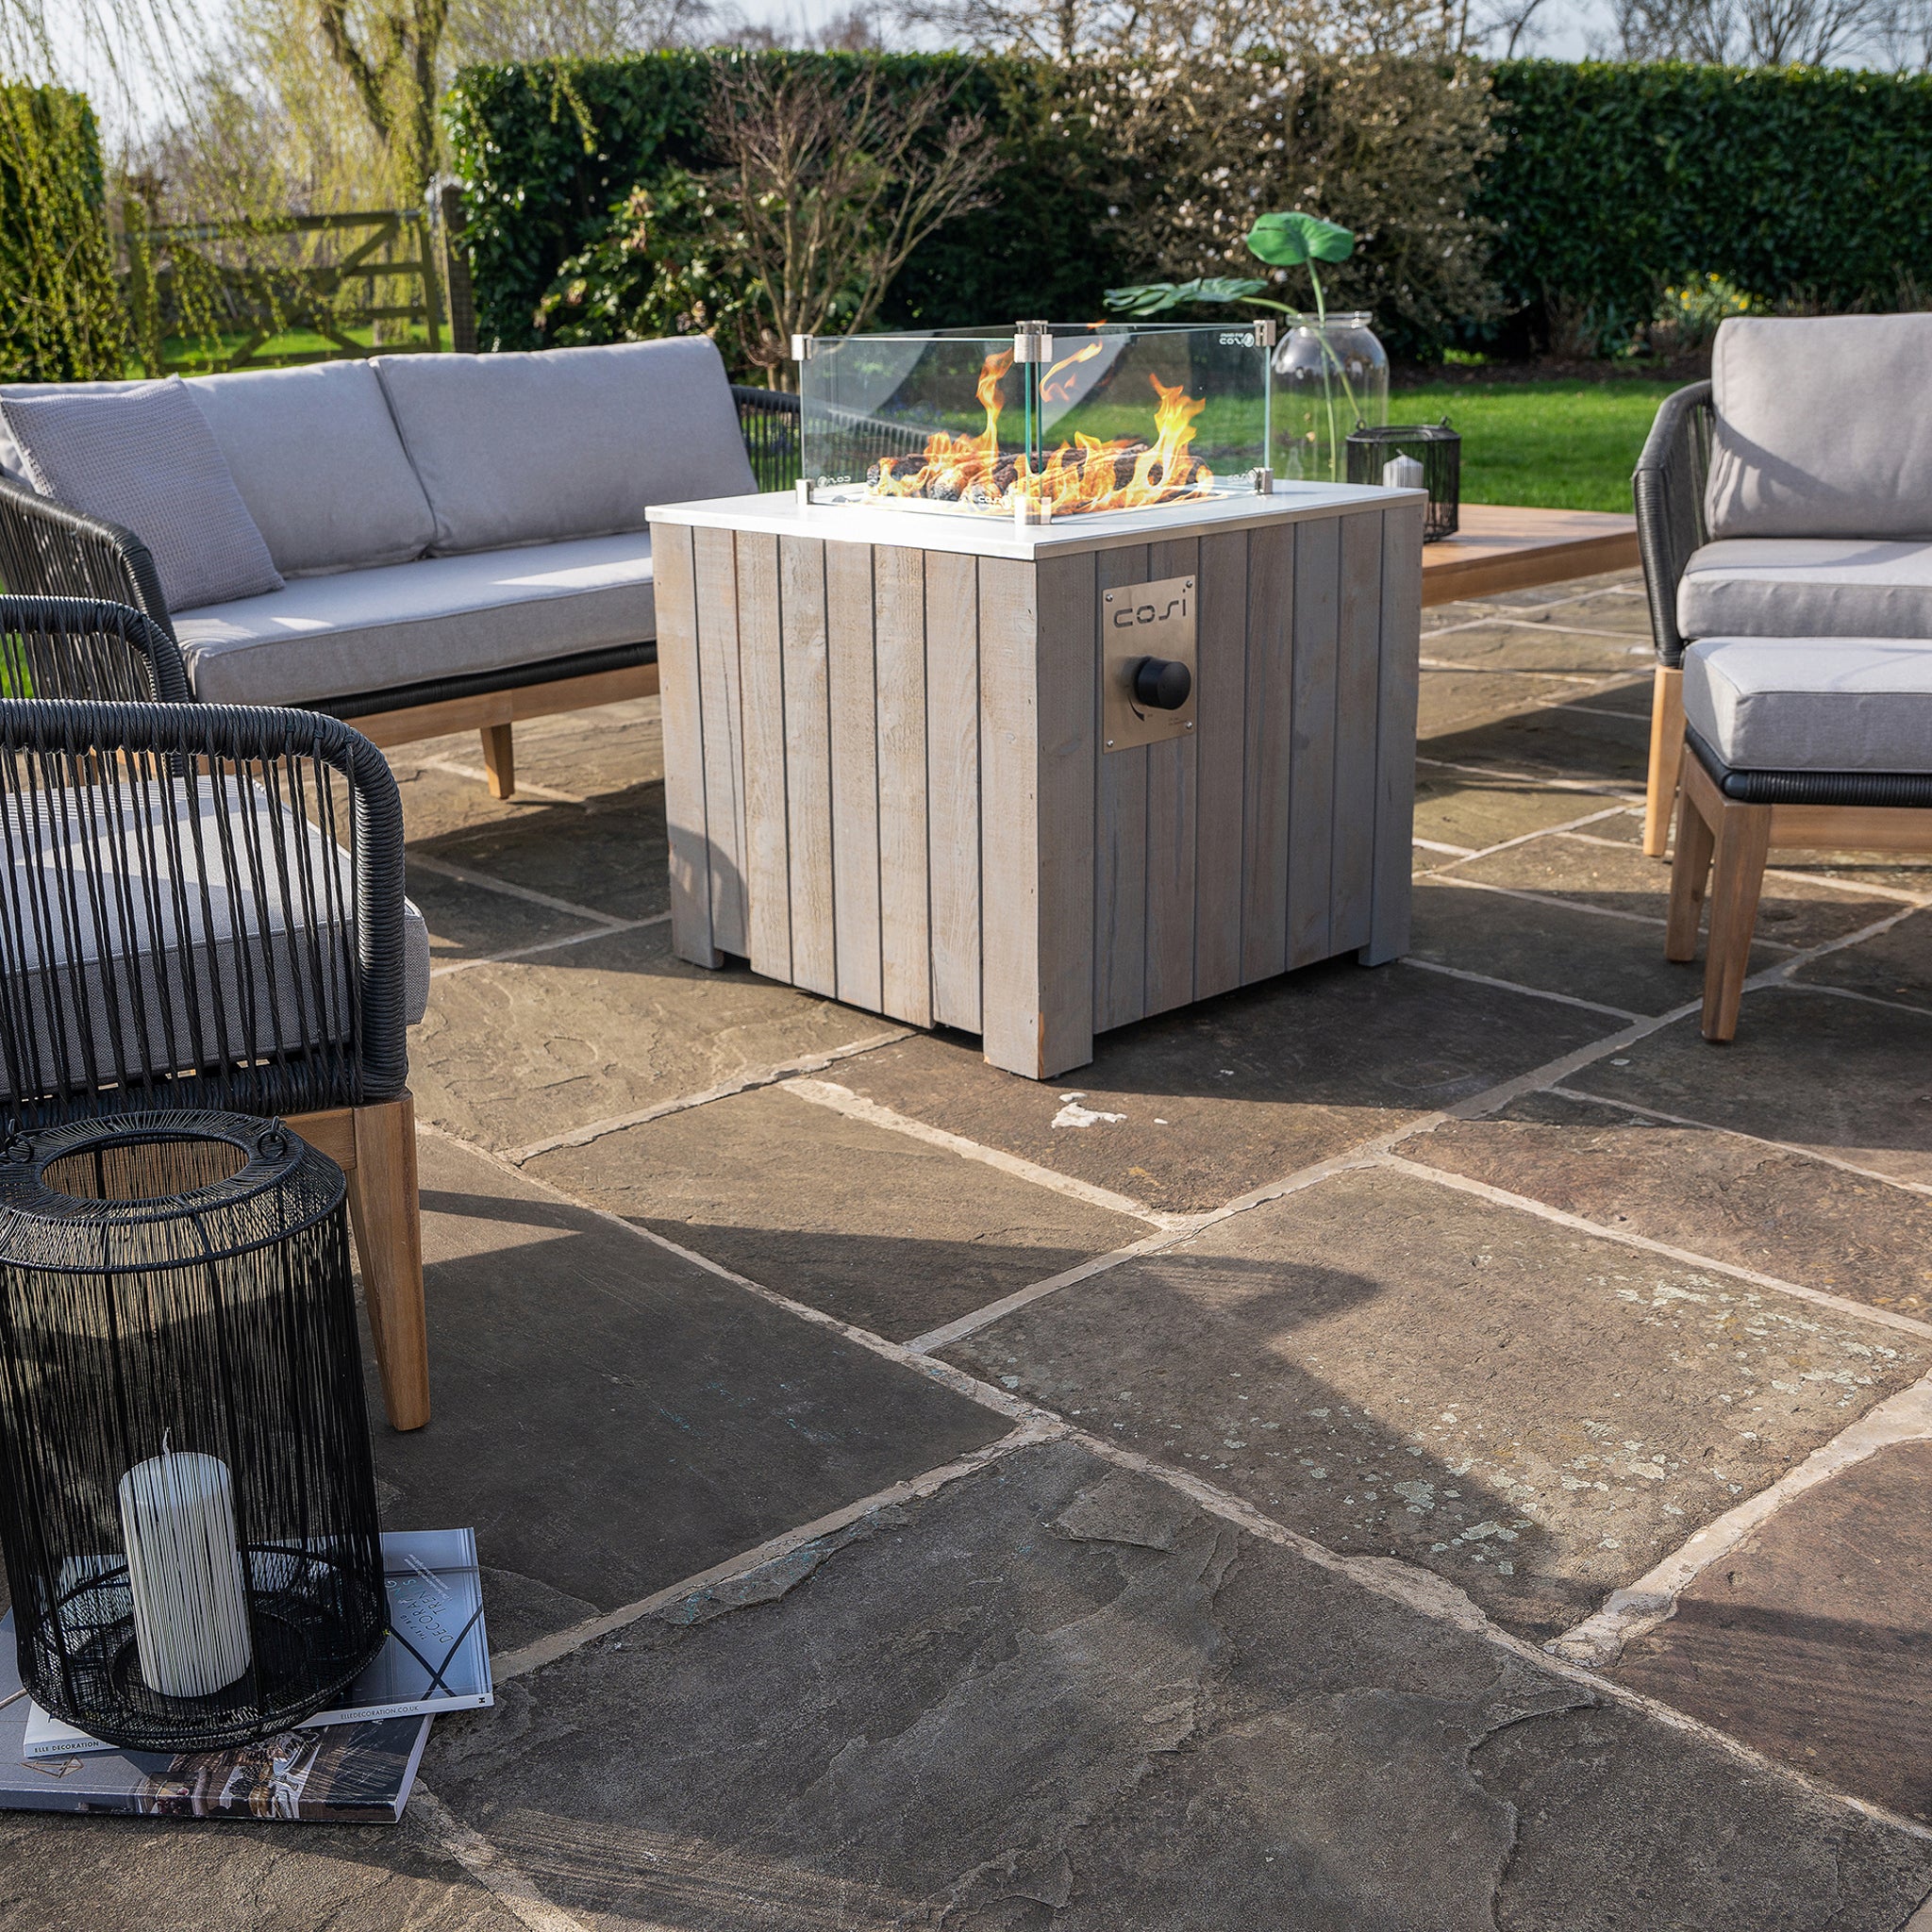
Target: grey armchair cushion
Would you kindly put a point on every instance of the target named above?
(562, 444)
(143, 457)
(315, 455)
(439, 617)
(1807, 586)
(242, 952)
(1822, 428)
(1812, 703)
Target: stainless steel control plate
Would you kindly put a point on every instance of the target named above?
(1140, 621)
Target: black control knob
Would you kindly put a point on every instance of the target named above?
(1162, 683)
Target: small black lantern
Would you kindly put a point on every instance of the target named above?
(1378, 456)
(187, 1491)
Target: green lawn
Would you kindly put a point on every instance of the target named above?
(1565, 446)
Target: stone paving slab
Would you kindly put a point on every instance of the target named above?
(1860, 1076)
(610, 858)
(1713, 1194)
(470, 921)
(1395, 1368)
(136, 1874)
(1059, 1695)
(1551, 646)
(1607, 871)
(1893, 965)
(437, 803)
(1451, 699)
(867, 1224)
(1600, 752)
(611, 1418)
(1561, 947)
(517, 1052)
(1237, 1091)
(1812, 1641)
(1476, 813)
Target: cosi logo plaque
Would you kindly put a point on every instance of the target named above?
(1147, 662)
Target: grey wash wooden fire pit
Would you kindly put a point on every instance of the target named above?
(906, 765)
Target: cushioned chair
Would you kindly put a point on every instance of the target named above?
(459, 541)
(202, 906)
(1838, 729)
(1788, 497)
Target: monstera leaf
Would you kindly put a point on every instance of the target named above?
(1159, 298)
(1288, 241)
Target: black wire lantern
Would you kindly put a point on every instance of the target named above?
(1386, 454)
(187, 1491)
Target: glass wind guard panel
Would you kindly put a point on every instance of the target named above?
(1110, 417)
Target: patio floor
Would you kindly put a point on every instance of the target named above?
(1247, 1484)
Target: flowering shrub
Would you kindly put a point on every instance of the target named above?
(1687, 318)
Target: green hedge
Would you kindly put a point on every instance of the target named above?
(1800, 184)
(547, 149)
(60, 316)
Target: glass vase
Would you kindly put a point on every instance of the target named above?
(1330, 375)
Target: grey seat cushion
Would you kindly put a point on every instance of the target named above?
(1822, 428)
(242, 950)
(1807, 586)
(1812, 703)
(439, 617)
(145, 458)
(315, 455)
(538, 448)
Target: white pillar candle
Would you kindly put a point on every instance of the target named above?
(184, 1568)
(1402, 472)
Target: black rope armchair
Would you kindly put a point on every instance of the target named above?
(47, 550)
(80, 647)
(1668, 485)
(202, 906)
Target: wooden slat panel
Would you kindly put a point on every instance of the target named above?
(1401, 581)
(899, 646)
(952, 741)
(1013, 823)
(854, 771)
(1120, 836)
(808, 761)
(1358, 682)
(715, 564)
(1222, 651)
(684, 747)
(766, 841)
(1267, 764)
(1171, 767)
(1312, 783)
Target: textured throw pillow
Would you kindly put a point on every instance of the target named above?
(145, 458)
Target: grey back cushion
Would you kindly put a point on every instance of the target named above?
(316, 454)
(145, 458)
(535, 448)
(1823, 427)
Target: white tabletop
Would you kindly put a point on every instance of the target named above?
(781, 514)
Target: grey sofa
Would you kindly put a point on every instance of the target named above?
(1788, 497)
(463, 538)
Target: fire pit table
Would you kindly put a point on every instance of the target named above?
(1039, 733)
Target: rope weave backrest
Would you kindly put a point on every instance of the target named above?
(200, 906)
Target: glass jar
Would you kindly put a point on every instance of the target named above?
(1330, 375)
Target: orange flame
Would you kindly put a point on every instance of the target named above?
(1066, 391)
(1085, 474)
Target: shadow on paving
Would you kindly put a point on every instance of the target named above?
(1056, 1695)
(611, 1418)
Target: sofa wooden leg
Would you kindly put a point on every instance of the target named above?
(500, 759)
(386, 1208)
(1743, 840)
(1666, 754)
(1689, 875)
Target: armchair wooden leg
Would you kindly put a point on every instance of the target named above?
(1689, 875)
(1743, 840)
(1666, 754)
(500, 759)
(386, 1208)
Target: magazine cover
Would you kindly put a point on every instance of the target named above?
(437, 1658)
(356, 1773)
